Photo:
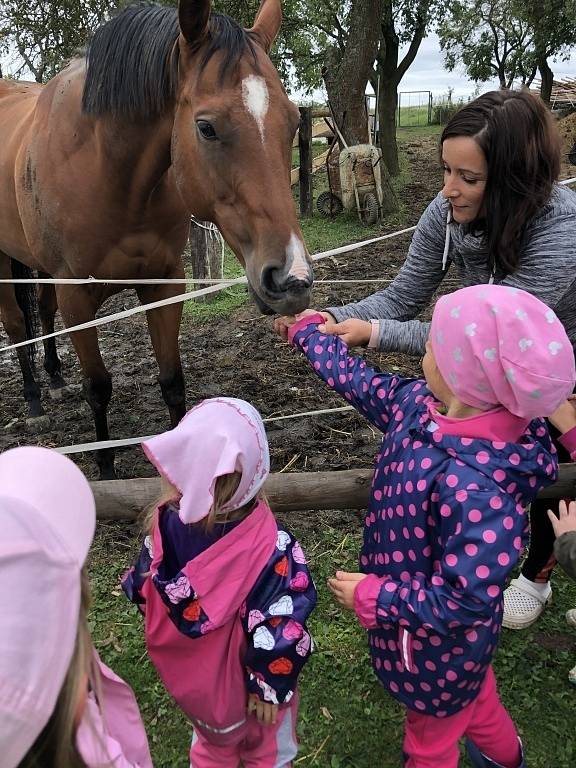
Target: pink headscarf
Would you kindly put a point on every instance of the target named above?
(496, 345)
(47, 520)
(217, 437)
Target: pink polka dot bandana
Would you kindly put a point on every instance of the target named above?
(496, 345)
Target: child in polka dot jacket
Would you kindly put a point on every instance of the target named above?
(463, 454)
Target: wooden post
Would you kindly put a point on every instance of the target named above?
(305, 150)
(287, 492)
(205, 255)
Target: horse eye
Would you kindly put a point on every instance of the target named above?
(206, 130)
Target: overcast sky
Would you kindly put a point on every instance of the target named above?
(427, 72)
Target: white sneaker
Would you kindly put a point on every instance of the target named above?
(523, 604)
(572, 676)
(571, 617)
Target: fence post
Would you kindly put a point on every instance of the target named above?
(305, 151)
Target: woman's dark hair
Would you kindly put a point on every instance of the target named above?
(518, 137)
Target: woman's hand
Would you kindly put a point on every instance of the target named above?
(355, 333)
(265, 712)
(343, 586)
(566, 521)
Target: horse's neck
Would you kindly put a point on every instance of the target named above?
(137, 155)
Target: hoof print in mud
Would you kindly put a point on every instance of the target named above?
(37, 424)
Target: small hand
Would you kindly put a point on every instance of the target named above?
(265, 712)
(282, 324)
(343, 586)
(355, 333)
(566, 521)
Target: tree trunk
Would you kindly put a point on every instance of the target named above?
(390, 73)
(547, 80)
(205, 256)
(347, 71)
(387, 106)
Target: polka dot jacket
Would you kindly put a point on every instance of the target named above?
(445, 525)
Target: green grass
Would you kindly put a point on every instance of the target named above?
(346, 719)
(412, 115)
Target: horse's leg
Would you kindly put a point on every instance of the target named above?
(163, 326)
(47, 306)
(15, 326)
(77, 307)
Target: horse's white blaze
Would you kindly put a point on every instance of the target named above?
(256, 99)
(296, 257)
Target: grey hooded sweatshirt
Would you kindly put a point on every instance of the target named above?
(547, 269)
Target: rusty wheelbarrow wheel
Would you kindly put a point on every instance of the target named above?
(329, 204)
(370, 209)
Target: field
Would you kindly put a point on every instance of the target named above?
(346, 719)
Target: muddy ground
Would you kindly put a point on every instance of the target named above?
(238, 356)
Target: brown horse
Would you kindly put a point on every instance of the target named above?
(171, 112)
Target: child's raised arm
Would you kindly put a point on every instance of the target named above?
(370, 391)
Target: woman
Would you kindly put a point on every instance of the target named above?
(501, 217)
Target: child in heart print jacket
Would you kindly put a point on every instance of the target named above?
(447, 517)
(225, 593)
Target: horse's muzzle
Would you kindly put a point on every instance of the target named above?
(285, 295)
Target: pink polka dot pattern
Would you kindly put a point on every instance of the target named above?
(445, 526)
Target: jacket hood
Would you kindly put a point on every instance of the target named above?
(223, 575)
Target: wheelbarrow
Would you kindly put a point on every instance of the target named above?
(355, 181)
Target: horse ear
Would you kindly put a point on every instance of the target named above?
(193, 16)
(268, 22)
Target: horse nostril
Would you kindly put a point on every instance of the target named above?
(297, 284)
(274, 281)
(270, 280)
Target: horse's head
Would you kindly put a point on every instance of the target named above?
(232, 145)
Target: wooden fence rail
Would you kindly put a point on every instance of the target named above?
(287, 492)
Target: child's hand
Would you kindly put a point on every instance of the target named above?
(355, 333)
(265, 712)
(566, 522)
(343, 586)
(282, 324)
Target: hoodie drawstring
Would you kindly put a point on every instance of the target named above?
(447, 239)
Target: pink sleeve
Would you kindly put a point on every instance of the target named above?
(568, 440)
(365, 597)
(113, 734)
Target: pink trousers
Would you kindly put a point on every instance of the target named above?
(432, 742)
(255, 744)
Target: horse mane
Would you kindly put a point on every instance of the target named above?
(132, 60)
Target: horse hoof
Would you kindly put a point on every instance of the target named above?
(37, 424)
(57, 393)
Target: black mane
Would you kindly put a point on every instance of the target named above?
(132, 60)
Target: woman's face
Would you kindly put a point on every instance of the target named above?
(465, 176)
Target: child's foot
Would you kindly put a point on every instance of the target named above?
(571, 617)
(524, 602)
(572, 676)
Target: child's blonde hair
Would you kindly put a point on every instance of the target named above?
(224, 489)
(55, 747)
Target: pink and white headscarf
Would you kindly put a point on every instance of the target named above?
(496, 345)
(217, 437)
